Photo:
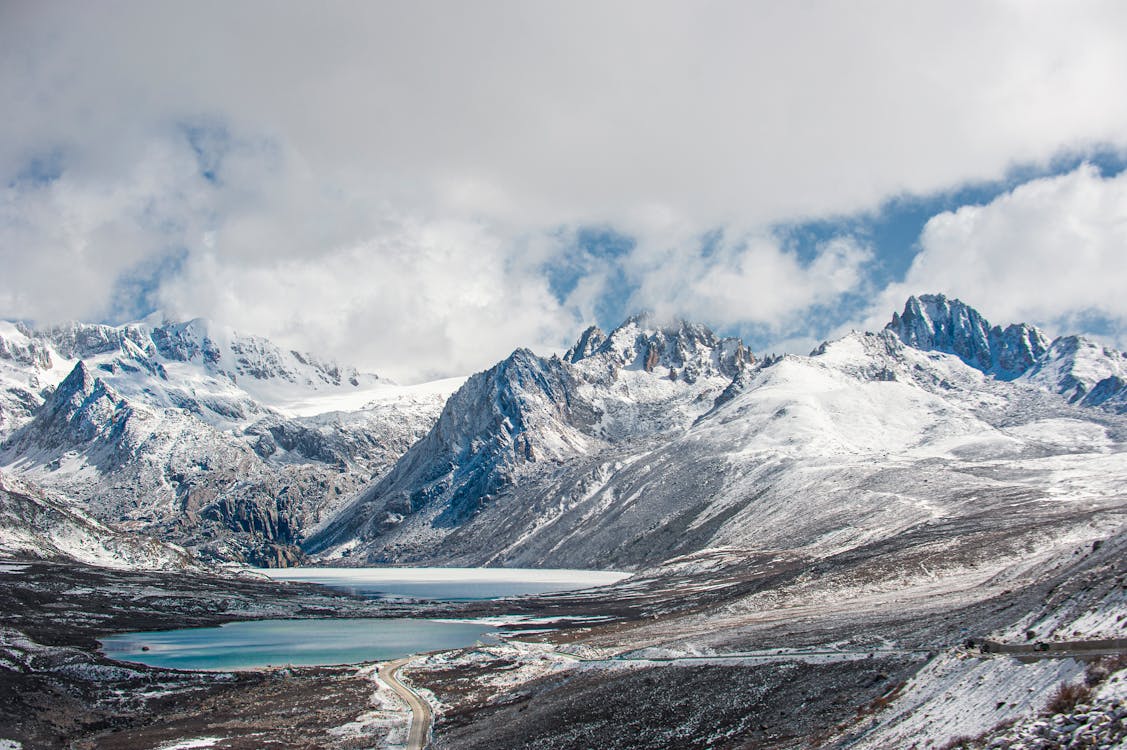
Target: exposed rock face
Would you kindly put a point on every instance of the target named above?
(36, 523)
(524, 410)
(163, 473)
(687, 351)
(530, 417)
(589, 342)
(1081, 370)
(1084, 372)
(934, 323)
(654, 441)
(650, 441)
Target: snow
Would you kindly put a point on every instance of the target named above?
(389, 720)
(958, 695)
(1074, 364)
(191, 744)
(529, 661)
(371, 397)
(43, 524)
(589, 578)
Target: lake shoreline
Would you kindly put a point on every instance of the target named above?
(52, 614)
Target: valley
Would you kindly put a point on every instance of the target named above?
(909, 538)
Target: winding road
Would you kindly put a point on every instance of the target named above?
(421, 716)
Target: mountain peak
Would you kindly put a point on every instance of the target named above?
(934, 322)
(688, 351)
(589, 342)
(78, 381)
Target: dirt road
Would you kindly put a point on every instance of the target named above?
(421, 716)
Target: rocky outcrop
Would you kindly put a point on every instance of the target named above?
(1082, 371)
(524, 410)
(933, 322)
(530, 416)
(682, 350)
(36, 523)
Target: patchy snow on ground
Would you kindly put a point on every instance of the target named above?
(960, 695)
(529, 661)
(191, 744)
(386, 724)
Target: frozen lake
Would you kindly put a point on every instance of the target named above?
(448, 584)
(265, 643)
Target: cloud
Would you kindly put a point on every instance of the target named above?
(367, 175)
(1053, 252)
(429, 300)
(67, 240)
(559, 113)
(752, 280)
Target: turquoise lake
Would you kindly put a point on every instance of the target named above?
(277, 643)
(265, 643)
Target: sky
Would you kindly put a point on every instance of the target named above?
(418, 188)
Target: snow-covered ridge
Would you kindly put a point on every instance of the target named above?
(1079, 369)
(223, 376)
(933, 322)
(527, 414)
(196, 433)
(649, 442)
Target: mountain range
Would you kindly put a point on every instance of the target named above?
(649, 442)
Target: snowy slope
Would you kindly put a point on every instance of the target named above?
(529, 418)
(35, 523)
(651, 441)
(1084, 372)
(628, 451)
(222, 442)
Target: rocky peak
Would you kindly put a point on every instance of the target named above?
(589, 342)
(932, 322)
(86, 340)
(78, 383)
(522, 412)
(185, 342)
(81, 408)
(18, 346)
(685, 351)
(528, 403)
(1084, 372)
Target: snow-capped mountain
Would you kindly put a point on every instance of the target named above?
(221, 376)
(224, 443)
(650, 441)
(656, 441)
(935, 323)
(529, 417)
(1083, 371)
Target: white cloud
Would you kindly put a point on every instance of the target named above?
(65, 243)
(752, 280)
(553, 112)
(442, 298)
(392, 172)
(1052, 252)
